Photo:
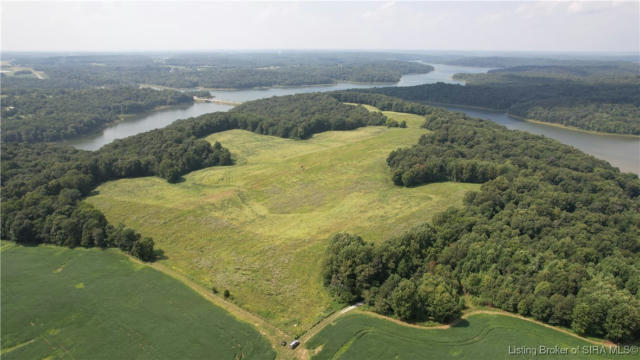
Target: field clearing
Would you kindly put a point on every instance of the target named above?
(98, 304)
(259, 228)
(10, 70)
(358, 335)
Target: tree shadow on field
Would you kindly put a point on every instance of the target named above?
(159, 255)
(462, 323)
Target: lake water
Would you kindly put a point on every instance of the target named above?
(154, 120)
(622, 152)
(163, 118)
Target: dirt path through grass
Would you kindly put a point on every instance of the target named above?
(273, 334)
(326, 321)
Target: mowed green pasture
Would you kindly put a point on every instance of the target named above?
(60, 303)
(480, 336)
(259, 227)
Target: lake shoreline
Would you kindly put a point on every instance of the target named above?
(122, 118)
(572, 128)
(199, 88)
(619, 150)
(521, 118)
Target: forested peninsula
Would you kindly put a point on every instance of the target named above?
(596, 98)
(605, 108)
(44, 115)
(553, 233)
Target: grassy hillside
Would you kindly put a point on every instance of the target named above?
(481, 336)
(98, 304)
(259, 228)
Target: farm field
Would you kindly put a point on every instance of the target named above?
(98, 304)
(259, 228)
(21, 71)
(358, 335)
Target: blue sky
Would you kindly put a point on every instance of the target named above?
(559, 26)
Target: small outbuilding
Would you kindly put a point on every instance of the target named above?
(294, 344)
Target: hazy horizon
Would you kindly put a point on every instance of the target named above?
(473, 26)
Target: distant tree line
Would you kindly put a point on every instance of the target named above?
(50, 115)
(609, 106)
(243, 78)
(79, 72)
(573, 67)
(552, 233)
(23, 72)
(300, 116)
(596, 71)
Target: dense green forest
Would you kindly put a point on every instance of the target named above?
(553, 233)
(49, 115)
(606, 106)
(42, 184)
(300, 116)
(294, 116)
(611, 70)
(621, 64)
(242, 78)
(218, 70)
(592, 75)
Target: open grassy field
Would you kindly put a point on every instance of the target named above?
(10, 70)
(358, 335)
(59, 303)
(259, 228)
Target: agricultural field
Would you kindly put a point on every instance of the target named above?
(98, 304)
(358, 335)
(21, 71)
(259, 228)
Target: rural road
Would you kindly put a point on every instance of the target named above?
(326, 321)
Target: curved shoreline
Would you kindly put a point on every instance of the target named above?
(572, 128)
(533, 121)
(383, 83)
(122, 118)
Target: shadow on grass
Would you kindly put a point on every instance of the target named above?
(159, 255)
(462, 323)
(177, 180)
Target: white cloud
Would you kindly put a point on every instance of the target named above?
(474, 25)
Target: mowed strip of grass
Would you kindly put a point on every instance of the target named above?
(480, 336)
(259, 228)
(97, 304)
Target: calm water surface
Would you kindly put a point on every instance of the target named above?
(620, 151)
(154, 120)
(161, 119)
